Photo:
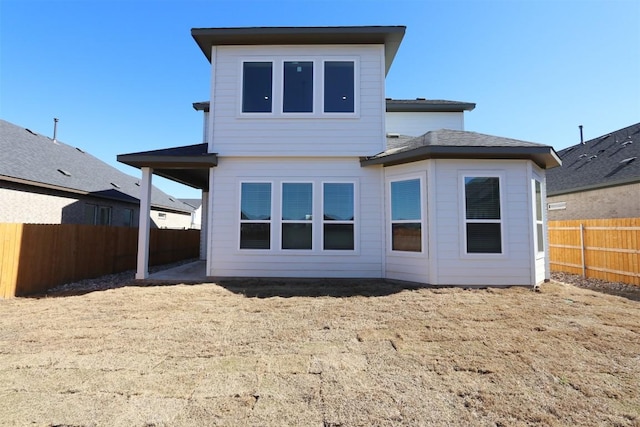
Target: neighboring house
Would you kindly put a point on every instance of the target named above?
(48, 182)
(305, 174)
(599, 178)
(196, 215)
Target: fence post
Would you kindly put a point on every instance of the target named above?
(584, 267)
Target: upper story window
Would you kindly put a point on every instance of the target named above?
(297, 94)
(257, 87)
(339, 87)
(299, 88)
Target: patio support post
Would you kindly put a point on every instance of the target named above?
(144, 224)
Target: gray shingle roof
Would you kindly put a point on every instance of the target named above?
(38, 160)
(447, 143)
(607, 160)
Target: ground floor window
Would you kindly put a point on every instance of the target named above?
(297, 215)
(255, 215)
(406, 215)
(538, 216)
(482, 215)
(338, 218)
(97, 215)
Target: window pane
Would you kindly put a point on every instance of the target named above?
(90, 214)
(338, 236)
(405, 200)
(255, 236)
(256, 201)
(296, 236)
(298, 87)
(538, 201)
(256, 87)
(540, 236)
(484, 238)
(297, 201)
(482, 197)
(338, 202)
(406, 237)
(339, 87)
(104, 215)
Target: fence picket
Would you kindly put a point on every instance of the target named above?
(37, 257)
(611, 248)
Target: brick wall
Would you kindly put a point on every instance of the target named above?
(612, 202)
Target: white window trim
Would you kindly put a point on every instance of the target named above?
(540, 253)
(240, 91)
(463, 214)
(355, 222)
(240, 221)
(356, 86)
(390, 222)
(277, 87)
(311, 221)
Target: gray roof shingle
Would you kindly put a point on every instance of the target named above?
(447, 143)
(607, 160)
(39, 161)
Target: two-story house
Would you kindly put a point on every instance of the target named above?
(307, 171)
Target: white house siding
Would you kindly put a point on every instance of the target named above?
(419, 123)
(513, 267)
(227, 260)
(235, 134)
(409, 266)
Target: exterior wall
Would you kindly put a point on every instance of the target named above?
(450, 264)
(173, 220)
(32, 205)
(416, 124)
(409, 266)
(236, 134)
(612, 202)
(226, 259)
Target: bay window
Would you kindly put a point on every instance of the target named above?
(406, 215)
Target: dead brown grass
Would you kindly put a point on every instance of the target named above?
(272, 356)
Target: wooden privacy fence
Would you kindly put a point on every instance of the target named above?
(607, 249)
(37, 257)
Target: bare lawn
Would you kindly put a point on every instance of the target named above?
(336, 354)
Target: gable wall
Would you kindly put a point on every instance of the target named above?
(241, 135)
(416, 124)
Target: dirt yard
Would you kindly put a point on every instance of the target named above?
(343, 354)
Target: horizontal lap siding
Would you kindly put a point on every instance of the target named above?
(234, 135)
(416, 124)
(454, 268)
(411, 267)
(227, 260)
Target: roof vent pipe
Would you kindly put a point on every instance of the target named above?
(55, 129)
(581, 138)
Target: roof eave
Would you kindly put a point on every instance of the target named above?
(390, 36)
(545, 157)
(426, 108)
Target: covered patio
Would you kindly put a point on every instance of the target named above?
(188, 165)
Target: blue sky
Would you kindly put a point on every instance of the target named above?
(121, 75)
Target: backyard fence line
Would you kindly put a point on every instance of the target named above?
(37, 257)
(607, 249)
